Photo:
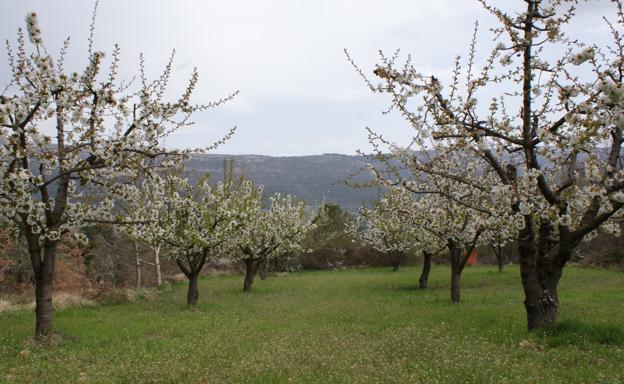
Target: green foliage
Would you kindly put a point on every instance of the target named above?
(352, 326)
(330, 230)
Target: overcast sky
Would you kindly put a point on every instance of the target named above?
(298, 93)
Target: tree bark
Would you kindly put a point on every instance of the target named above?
(455, 255)
(192, 296)
(251, 268)
(540, 293)
(541, 268)
(43, 261)
(455, 285)
(424, 275)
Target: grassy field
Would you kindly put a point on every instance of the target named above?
(353, 326)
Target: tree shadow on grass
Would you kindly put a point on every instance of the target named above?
(574, 332)
(410, 288)
(416, 288)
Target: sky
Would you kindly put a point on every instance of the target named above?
(298, 93)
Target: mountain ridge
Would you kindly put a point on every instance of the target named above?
(313, 178)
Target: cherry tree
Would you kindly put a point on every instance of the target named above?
(551, 138)
(195, 223)
(434, 222)
(390, 229)
(445, 195)
(277, 230)
(460, 230)
(385, 229)
(71, 143)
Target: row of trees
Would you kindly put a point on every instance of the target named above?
(430, 223)
(538, 163)
(223, 222)
(85, 148)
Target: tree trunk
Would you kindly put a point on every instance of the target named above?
(455, 285)
(540, 295)
(157, 263)
(251, 267)
(192, 296)
(396, 262)
(192, 271)
(138, 266)
(455, 255)
(500, 258)
(263, 268)
(424, 275)
(541, 267)
(43, 260)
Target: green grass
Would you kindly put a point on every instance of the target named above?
(354, 326)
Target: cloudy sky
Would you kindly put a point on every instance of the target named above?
(298, 93)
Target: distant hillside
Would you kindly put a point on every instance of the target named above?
(312, 178)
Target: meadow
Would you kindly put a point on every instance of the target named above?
(349, 326)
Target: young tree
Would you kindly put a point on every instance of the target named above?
(390, 228)
(385, 229)
(425, 239)
(194, 223)
(70, 143)
(552, 138)
(277, 230)
(452, 226)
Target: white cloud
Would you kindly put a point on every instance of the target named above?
(286, 51)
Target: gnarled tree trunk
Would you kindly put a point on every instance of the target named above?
(424, 274)
(540, 292)
(541, 268)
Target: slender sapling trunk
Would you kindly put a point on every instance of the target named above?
(137, 266)
(157, 263)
